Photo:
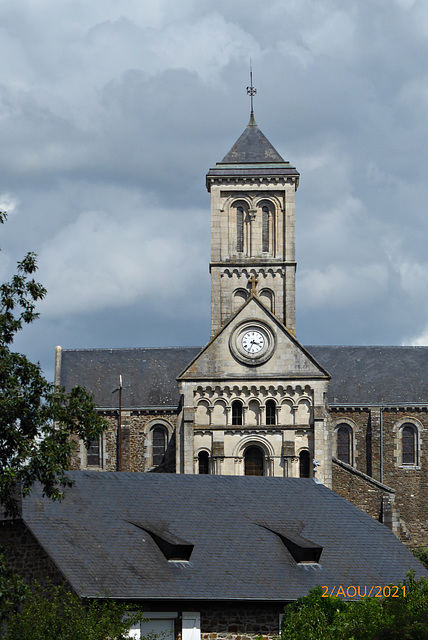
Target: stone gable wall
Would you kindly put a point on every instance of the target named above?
(25, 555)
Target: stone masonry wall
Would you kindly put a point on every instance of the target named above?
(240, 622)
(356, 489)
(236, 621)
(136, 441)
(26, 557)
(410, 482)
(380, 458)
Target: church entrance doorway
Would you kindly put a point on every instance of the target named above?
(254, 461)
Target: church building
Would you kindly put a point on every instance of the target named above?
(254, 401)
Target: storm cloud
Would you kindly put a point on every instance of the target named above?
(111, 114)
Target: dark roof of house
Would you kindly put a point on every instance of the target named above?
(360, 375)
(114, 532)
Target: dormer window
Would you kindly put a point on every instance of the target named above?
(172, 547)
(302, 550)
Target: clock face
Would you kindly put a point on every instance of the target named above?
(253, 341)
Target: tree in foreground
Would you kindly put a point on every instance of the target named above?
(55, 613)
(404, 617)
(421, 553)
(37, 419)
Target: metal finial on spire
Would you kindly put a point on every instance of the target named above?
(251, 91)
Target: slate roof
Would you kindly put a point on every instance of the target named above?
(98, 537)
(252, 146)
(252, 155)
(148, 374)
(375, 375)
(360, 375)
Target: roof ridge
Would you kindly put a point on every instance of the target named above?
(131, 348)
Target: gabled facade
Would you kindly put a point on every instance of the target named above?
(253, 402)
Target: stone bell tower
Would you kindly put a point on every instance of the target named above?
(253, 399)
(252, 228)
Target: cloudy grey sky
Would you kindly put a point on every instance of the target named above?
(112, 112)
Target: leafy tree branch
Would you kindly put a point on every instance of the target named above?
(37, 419)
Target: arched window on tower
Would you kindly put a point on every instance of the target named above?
(265, 229)
(254, 461)
(203, 462)
(304, 464)
(270, 412)
(344, 443)
(236, 413)
(159, 442)
(408, 444)
(240, 229)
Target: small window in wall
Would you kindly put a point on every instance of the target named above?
(265, 229)
(408, 444)
(304, 464)
(159, 441)
(159, 624)
(236, 413)
(93, 457)
(240, 229)
(344, 443)
(270, 412)
(254, 461)
(203, 463)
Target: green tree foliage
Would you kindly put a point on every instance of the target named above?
(421, 553)
(54, 613)
(37, 419)
(390, 618)
(13, 590)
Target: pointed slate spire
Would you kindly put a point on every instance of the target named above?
(252, 156)
(252, 147)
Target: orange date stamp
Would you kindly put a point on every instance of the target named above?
(376, 591)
